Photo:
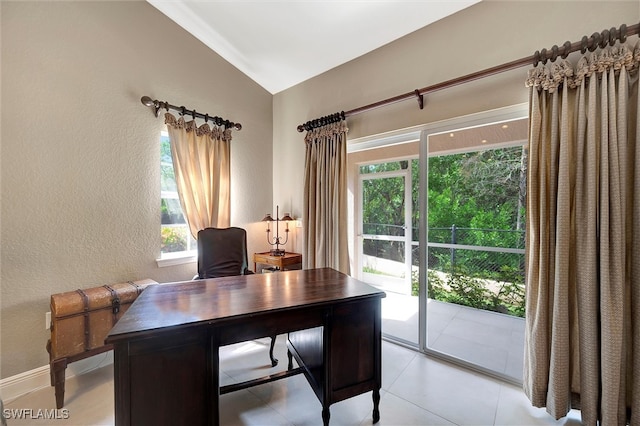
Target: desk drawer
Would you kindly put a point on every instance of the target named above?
(269, 324)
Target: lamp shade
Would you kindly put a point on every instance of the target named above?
(287, 217)
(268, 218)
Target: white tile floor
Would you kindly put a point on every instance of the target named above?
(487, 339)
(416, 390)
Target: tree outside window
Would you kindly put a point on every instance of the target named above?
(174, 230)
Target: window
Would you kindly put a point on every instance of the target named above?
(176, 238)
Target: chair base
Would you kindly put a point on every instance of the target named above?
(274, 361)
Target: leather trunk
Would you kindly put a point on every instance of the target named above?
(81, 319)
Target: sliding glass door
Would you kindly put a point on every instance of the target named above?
(473, 267)
(440, 228)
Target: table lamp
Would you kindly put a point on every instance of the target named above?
(277, 240)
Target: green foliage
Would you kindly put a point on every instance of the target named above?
(482, 193)
(167, 178)
(384, 201)
(165, 149)
(381, 167)
(173, 239)
(167, 174)
(506, 296)
(171, 212)
(480, 189)
(468, 291)
(511, 294)
(370, 270)
(477, 190)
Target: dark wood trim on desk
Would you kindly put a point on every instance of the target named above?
(166, 345)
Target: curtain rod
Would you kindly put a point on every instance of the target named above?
(587, 43)
(157, 105)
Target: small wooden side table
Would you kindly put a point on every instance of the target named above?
(288, 261)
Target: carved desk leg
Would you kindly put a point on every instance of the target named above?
(326, 414)
(290, 356)
(376, 405)
(274, 361)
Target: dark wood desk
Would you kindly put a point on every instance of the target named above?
(166, 362)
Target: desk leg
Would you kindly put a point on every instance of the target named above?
(326, 414)
(376, 406)
(215, 380)
(274, 361)
(290, 356)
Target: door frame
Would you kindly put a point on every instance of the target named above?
(408, 211)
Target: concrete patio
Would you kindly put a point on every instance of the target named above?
(487, 339)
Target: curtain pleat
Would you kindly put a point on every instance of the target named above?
(201, 163)
(325, 198)
(583, 229)
(633, 388)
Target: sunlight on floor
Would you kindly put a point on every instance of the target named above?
(248, 347)
(399, 307)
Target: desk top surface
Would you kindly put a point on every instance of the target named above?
(219, 299)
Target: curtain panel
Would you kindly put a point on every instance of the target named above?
(202, 167)
(583, 232)
(325, 198)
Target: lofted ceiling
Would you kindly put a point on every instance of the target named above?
(279, 44)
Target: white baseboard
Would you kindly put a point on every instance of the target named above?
(39, 378)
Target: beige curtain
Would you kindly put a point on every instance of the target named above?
(201, 163)
(583, 238)
(325, 198)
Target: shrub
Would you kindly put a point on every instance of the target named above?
(508, 295)
(173, 239)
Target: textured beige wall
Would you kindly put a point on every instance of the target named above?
(482, 36)
(80, 184)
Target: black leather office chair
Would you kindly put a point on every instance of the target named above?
(222, 252)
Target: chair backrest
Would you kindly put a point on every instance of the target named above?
(222, 252)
